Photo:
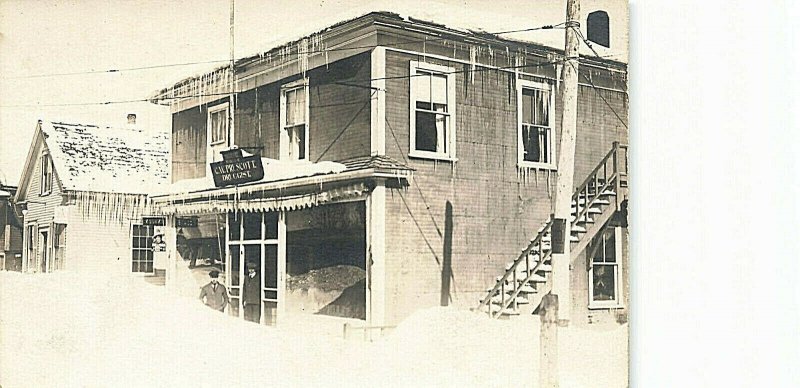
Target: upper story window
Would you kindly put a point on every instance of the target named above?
(294, 121)
(605, 254)
(432, 133)
(535, 129)
(46, 183)
(218, 124)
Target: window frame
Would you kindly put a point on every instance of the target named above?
(285, 139)
(46, 181)
(523, 84)
(450, 155)
(215, 110)
(617, 268)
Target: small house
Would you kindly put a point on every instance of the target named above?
(83, 192)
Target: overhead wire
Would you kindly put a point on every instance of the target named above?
(396, 44)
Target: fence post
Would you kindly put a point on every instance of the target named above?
(344, 330)
(548, 342)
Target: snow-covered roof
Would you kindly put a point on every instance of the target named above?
(455, 19)
(107, 159)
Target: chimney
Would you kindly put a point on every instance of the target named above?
(131, 119)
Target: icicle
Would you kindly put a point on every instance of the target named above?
(473, 53)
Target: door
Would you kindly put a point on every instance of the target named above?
(255, 241)
(142, 249)
(43, 245)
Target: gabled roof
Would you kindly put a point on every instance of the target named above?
(91, 158)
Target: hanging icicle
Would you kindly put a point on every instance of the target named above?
(473, 58)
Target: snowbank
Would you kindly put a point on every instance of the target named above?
(71, 330)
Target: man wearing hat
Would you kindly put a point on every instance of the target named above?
(215, 294)
(251, 294)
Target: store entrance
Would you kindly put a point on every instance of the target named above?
(256, 264)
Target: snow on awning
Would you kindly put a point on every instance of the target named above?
(263, 204)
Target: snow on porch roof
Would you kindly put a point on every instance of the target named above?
(105, 159)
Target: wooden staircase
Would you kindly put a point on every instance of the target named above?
(527, 279)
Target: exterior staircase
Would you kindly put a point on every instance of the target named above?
(527, 279)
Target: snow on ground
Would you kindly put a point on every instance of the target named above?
(71, 330)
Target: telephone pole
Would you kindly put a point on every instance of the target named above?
(232, 95)
(566, 162)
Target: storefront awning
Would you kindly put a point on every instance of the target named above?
(352, 183)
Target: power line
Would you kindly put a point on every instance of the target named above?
(545, 27)
(596, 90)
(477, 70)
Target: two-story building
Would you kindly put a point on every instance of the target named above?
(414, 158)
(84, 196)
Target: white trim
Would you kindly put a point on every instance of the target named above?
(450, 139)
(375, 213)
(285, 141)
(378, 101)
(527, 84)
(226, 143)
(617, 302)
(451, 59)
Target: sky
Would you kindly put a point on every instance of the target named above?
(43, 40)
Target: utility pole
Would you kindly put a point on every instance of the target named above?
(232, 95)
(566, 163)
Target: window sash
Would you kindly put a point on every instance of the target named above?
(431, 96)
(219, 126)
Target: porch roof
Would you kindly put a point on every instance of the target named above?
(314, 186)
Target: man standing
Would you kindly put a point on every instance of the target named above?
(215, 294)
(251, 294)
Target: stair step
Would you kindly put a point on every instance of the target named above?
(495, 308)
(598, 201)
(525, 288)
(584, 219)
(592, 210)
(545, 268)
(571, 238)
(605, 193)
(497, 299)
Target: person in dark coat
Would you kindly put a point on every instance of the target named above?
(251, 294)
(213, 294)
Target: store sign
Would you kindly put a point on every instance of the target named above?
(154, 221)
(236, 168)
(186, 222)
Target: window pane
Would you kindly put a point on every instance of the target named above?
(527, 106)
(271, 221)
(270, 266)
(610, 247)
(234, 250)
(252, 226)
(603, 279)
(531, 144)
(541, 108)
(426, 136)
(233, 226)
(439, 89)
(424, 105)
(422, 86)
(300, 107)
(252, 254)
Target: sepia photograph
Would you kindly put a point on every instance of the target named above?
(312, 193)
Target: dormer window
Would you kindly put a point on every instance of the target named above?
(46, 182)
(294, 121)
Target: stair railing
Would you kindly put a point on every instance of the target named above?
(612, 171)
(535, 247)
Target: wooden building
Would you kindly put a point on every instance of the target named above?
(83, 192)
(422, 155)
(10, 231)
